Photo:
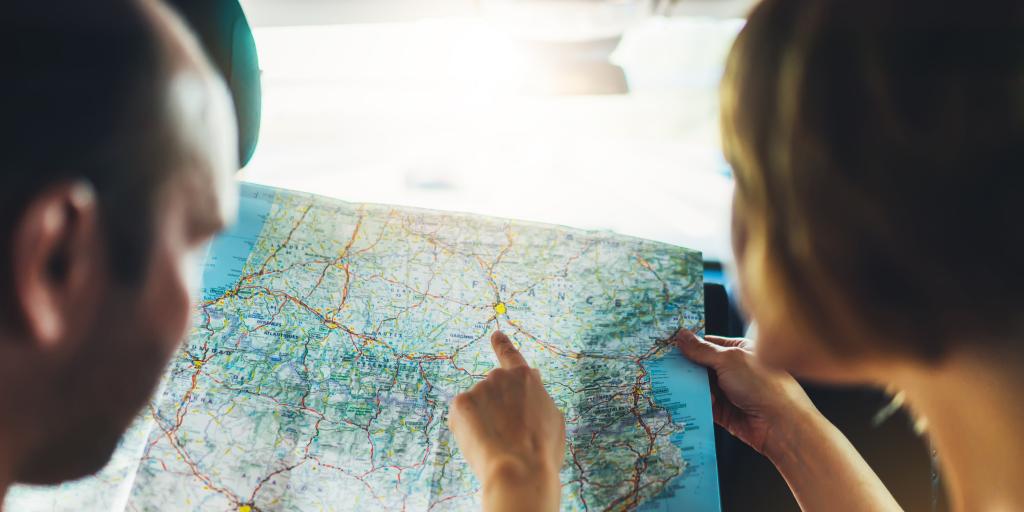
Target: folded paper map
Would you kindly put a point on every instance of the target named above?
(331, 336)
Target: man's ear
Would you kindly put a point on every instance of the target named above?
(54, 251)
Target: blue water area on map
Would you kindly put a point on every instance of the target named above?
(682, 387)
(229, 251)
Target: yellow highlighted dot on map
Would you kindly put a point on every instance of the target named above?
(500, 308)
(245, 508)
(198, 363)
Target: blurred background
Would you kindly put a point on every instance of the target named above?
(597, 114)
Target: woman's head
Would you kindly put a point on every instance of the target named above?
(878, 148)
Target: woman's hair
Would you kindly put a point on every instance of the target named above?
(880, 146)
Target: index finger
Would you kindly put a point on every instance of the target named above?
(508, 355)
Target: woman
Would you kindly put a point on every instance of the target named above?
(878, 147)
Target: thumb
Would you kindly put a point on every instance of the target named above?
(722, 341)
(698, 350)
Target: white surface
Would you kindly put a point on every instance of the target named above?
(265, 13)
(428, 114)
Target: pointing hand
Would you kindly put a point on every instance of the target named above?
(511, 434)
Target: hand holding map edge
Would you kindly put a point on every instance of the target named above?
(749, 400)
(769, 410)
(511, 434)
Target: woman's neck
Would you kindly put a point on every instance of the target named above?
(974, 411)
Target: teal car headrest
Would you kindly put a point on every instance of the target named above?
(224, 32)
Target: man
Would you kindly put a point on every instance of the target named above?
(118, 152)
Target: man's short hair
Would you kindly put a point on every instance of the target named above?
(83, 97)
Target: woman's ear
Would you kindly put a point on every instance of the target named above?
(54, 253)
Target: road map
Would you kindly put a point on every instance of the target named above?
(330, 337)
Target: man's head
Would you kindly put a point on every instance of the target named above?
(118, 148)
(878, 147)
